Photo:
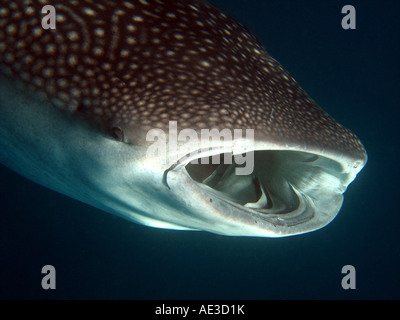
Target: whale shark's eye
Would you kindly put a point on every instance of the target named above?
(117, 133)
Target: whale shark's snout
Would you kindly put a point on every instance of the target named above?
(170, 114)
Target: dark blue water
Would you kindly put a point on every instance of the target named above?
(354, 75)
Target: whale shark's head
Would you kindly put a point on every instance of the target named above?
(167, 113)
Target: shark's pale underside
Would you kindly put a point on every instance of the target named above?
(77, 102)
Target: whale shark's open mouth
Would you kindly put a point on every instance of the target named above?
(288, 187)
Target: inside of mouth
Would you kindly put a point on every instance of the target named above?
(284, 183)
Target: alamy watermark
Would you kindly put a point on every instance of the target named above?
(49, 280)
(349, 20)
(49, 20)
(349, 280)
(194, 146)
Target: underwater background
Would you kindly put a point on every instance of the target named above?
(354, 75)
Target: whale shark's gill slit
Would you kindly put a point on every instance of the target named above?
(253, 191)
(262, 201)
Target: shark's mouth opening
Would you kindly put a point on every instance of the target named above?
(285, 187)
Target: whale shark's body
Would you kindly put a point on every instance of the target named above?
(77, 104)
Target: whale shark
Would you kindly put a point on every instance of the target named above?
(85, 98)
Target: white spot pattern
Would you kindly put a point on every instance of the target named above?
(138, 64)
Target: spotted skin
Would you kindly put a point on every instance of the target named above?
(129, 66)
